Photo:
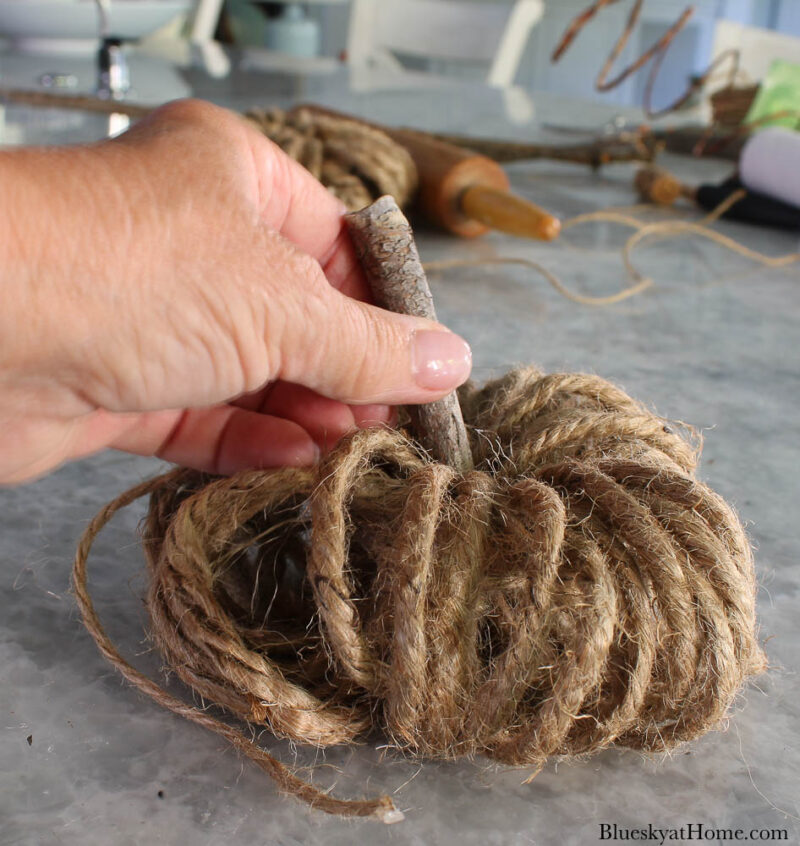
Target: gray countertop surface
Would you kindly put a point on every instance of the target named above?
(86, 760)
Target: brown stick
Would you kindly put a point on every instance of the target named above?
(594, 153)
(385, 246)
(684, 140)
(82, 102)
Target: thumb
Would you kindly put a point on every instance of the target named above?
(358, 353)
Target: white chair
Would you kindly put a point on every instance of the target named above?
(201, 37)
(493, 33)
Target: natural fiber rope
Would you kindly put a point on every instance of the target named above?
(643, 231)
(579, 589)
(355, 162)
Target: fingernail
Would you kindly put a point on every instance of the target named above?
(305, 455)
(441, 360)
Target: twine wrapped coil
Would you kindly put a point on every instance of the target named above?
(547, 580)
(355, 162)
(579, 588)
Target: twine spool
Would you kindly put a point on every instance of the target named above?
(356, 162)
(579, 588)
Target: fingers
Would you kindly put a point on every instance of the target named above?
(359, 354)
(368, 415)
(326, 420)
(343, 271)
(222, 440)
(288, 198)
(270, 431)
(349, 352)
(292, 201)
(281, 315)
(31, 448)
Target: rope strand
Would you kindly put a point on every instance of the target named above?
(657, 230)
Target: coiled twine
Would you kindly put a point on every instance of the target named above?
(356, 162)
(580, 588)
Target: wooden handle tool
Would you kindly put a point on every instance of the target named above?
(462, 191)
(662, 188)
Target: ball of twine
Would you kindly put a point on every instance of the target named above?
(579, 588)
(355, 162)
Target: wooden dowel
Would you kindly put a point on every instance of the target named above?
(509, 213)
(385, 247)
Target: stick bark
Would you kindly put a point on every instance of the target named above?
(385, 247)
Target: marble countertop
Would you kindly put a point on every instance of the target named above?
(85, 760)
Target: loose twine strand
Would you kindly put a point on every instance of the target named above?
(644, 232)
(580, 588)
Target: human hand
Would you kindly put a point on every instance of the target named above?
(186, 290)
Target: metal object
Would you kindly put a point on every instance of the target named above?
(113, 80)
(113, 77)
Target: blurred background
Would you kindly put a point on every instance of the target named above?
(503, 42)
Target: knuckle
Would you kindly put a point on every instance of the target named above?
(211, 128)
(380, 354)
(312, 280)
(368, 361)
(190, 110)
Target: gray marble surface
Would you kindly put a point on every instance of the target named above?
(85, 760)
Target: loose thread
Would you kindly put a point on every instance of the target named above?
(382, 808)
(555, 281)
(658, 230)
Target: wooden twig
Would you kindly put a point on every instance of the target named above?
(81, 102)
(385, 246)
(704, 142)
(689, 140)
(593, 153)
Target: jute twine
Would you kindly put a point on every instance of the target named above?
(356, 162)
(644, 232)
(580, 588)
